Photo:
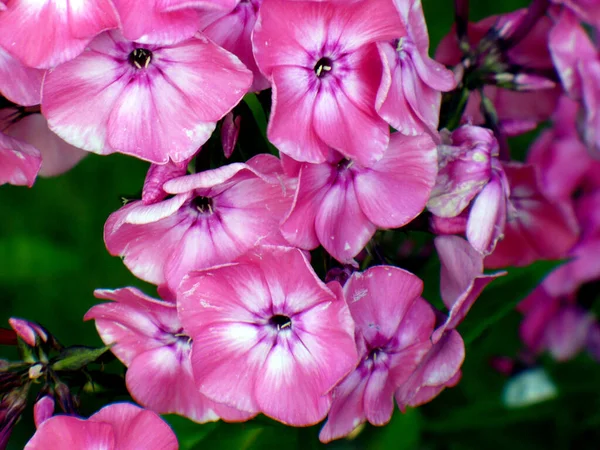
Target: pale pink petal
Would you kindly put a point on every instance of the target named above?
(341, 226)
(382, 296)
(47, 33)
(408, 166)
(345, 116)
(136, 428)
(19, 162)
(145, 21)
(66, 433)
(290, 126)
(346, 409)
(78, 97)
(57, 156)
(18, 83)
(299, 225)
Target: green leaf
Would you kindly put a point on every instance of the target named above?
(261, 119)
(189, 433)
(77, 357)
(502, 296)
(403, 432)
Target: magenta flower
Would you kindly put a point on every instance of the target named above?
(46, 33)
(164, 21)
(537, 227)
(393, 330)
(214, 217)
(340, 203)
(409, 97)
(157, 103)
(119, 426)
(147, 336)
(325, 72)
(233, 31)
(269, 336)
(19, 162)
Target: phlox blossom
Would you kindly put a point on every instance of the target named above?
(340, 203)
(147, 336)
(393, 331)
(325, 71)
(118, 426)
(269, 336)
(157, 103)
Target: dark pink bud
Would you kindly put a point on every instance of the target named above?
(28, 331)
(157, 175)
(229, 133)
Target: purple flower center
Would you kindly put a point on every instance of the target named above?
(323, 67)
(280, 321)
(140, 58)
(204, 205)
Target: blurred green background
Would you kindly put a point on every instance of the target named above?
(52, 257)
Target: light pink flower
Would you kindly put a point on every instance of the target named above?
(393, 330)
(341, 203)
(232, 31)
(18, 83)
(164, 21)
(269, 336)
(19, 162)
(147, 336)
(325, 71)
(409, 97)
(537, 227)
(46, 33)
(213, 217)
(118, 426)
(153, 102)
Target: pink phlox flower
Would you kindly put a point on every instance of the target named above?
(147, 336)
(232, 30)
(157, 103)
(165, 22)
(340, 203)
(213, 217)
(409, 97)
(518, 111)
(118, 426)
(461, 280)
(471, 192)
(19, 162)
(46, 33)
(269, 336)
(18, 83)
(538, 227)
(325, 71)
(578, 65)
(393, 330)
(32, 128)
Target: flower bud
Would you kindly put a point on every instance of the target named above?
(29, 332)
(229, 133)
(43, 409)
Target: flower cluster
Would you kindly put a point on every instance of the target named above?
(245, 324)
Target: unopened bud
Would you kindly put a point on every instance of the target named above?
(43, 409)
(36, 371)
(230, 129)
(29, 332)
